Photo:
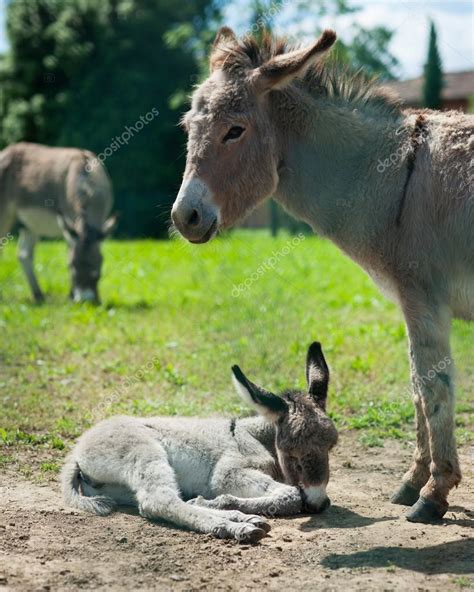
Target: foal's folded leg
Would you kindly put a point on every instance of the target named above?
(157, 494)
(285, 502)
(237, 516)
(257, 493)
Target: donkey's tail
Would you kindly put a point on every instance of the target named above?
(71, 486)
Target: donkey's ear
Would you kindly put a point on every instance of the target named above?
(267, 404)
(317, 374)
(225, 40)
(110, 225)
(282, 69)
(67, 228)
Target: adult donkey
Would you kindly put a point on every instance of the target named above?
(55, 192)
(392, 188)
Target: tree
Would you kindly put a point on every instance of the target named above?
(99, 75)
(366, 48)
(433, 73)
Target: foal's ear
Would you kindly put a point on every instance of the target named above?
(317, 374)
(225, 40)
(282, 69)
(267, 404)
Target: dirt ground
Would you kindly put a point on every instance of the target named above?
(361, 543)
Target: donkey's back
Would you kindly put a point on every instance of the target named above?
(59, 180)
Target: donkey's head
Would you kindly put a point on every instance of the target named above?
(304, 434)
(85, 257)
(233, 149)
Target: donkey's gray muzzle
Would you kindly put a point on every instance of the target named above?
(193, 213)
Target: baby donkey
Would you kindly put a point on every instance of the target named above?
(274, 464)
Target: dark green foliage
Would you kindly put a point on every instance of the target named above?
(368, 51)
(82, 73)
(433, 79)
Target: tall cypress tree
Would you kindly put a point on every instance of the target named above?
(433, 75)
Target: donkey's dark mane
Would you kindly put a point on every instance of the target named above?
(327, 78)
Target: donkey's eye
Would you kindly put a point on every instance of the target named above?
(234, 133)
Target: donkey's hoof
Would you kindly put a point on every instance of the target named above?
(426, 511)
(260, 522)
(250, 534)
(406, 495)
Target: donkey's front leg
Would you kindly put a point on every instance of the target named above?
(432, 376)
(254, 492)
(26, 247)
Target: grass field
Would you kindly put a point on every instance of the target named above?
(174, 319)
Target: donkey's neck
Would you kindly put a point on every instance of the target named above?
(262, 430)
(331, 173)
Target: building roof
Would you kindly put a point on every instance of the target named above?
(457, 86)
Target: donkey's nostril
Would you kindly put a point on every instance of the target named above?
(194, 218)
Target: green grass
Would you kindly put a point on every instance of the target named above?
(464, 582)
(172, 324)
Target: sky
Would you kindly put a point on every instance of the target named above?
(408, 19)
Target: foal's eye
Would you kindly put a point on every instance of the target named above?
(234, 133)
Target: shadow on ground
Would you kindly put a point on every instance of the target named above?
(339, 517)
(451, 557)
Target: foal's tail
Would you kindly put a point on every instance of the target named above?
(71, 485)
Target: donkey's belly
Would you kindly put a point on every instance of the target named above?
(40, 221)
(193, 472)
(386, 286)
(462, 298)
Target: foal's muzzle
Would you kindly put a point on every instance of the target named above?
(314, 499)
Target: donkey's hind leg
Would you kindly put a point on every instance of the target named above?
(157, 494)
(419, 473)
(429, 329)
(7, 220)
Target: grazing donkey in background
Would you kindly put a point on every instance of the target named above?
(272, 120)
(55, 192)
(276, 464)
